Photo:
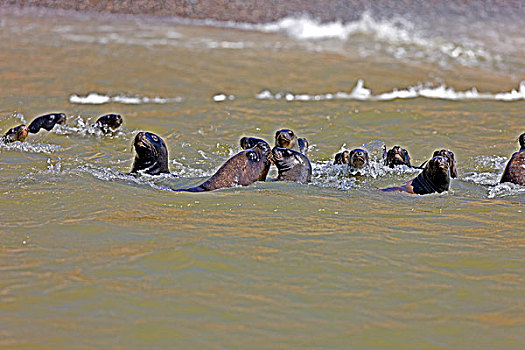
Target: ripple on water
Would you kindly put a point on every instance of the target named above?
(29, 147)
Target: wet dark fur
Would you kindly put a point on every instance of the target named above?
(515, 170)
(47, 122)
(108, 123)
(434, 178)
(286, 138)
(243, 169)
(18, 133)
(397, 156)
(292, 165)
(342, 157)
(151, 154)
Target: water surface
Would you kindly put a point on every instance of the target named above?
(94, 258)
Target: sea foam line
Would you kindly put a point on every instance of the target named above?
(94, 98)
(360, 92)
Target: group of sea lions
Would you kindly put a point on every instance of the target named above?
(106, 123)
(289, 155)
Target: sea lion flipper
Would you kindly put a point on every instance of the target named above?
(303, 145)
(248, 142)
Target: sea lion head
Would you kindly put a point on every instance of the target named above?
(342, 157)
(47, 122)
(521, 140)
(397, 156)
(437, 166)
(109, 122)
(291, 165)
(286, 138)
(358, 158)
(18, 133)
(151, 154)
(452, 162)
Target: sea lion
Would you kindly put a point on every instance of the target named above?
(515, 170)
(435, 177)
(397, 156)
(358, 158)
(108, 123)
(18, 133)
(151, 154)
(286, 138)
(243, 169)
(452, 161)
(342, 157)
(292, 165)
(47, 122)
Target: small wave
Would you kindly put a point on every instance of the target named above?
(505, 189)
(29, 147)
(109, 174)
(97, 99)
(85, 127)
(342, 177)
(397, 36)
(360, 92)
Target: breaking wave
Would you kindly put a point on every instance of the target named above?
(94, 98)
(360, 92)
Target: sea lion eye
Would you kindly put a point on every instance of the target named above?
(154, 138)
(290, 133)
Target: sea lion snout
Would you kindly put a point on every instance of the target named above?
(358, 158)
(439, 162)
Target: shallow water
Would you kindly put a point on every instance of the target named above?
(94, 258)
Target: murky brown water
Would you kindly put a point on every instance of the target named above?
(92, 258)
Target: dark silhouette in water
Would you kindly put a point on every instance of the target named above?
(243, 169)
(435, 177)
(108, 123)
(151, 154)
(47, 122)
(18, 133)
(515, 170)
(397, 156)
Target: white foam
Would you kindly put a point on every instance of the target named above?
(223, 97)
(97, 99)
(397, 36)
(360, 92)
(29, 147)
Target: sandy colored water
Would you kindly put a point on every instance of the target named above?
(93, 258)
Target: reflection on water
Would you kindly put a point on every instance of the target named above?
(93, 257)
